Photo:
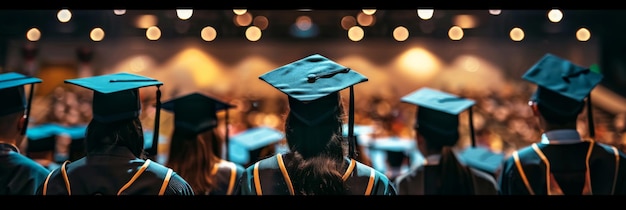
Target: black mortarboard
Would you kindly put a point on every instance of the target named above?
(195, 112)
(438, 111)
(311, 84)
(116, 97)
(483, 159)
(562, 86)
(13, 96)
(248, 141)
(42, 138)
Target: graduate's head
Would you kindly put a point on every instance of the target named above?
(195, 113)
(14, 105)
(195, 117)
(437, 116)
(562, 88)
(313, 86)
(116, 108)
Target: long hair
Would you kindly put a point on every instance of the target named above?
(456, 179)
(317, 156)
(126, 133)
(194, 157)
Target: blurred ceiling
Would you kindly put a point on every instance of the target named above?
(534, 22)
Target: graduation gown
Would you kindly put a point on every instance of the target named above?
(582, 168)
(114, 172)
(269, 177)
(227, 176)
(423, 179)
(20, 174)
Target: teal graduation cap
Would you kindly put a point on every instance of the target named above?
(562, 86)
(359, 130)
(42, 137)
(438, 111)
(312, 85)
(243, 144)
(393, 144)
(482, 159)
(13, 94)
(195, 112)
(116, 98)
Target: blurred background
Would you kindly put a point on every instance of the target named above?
(479, 54)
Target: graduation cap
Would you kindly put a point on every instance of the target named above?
(483, 159)
(312, 85)
(116, 97)
(359, 130)
(394, 144)
(245, 146)
(562, 86)
(438, 111)
(195, 113)
(42, 138)
(74, 132)
(395, 148)
(12, 93)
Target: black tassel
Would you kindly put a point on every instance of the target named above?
(27, 114)
(157, 119)
(351, 138)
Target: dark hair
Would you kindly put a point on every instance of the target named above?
(553, 117)
(455, 177)
(317, 157)
(437, 140)
(193, 156)
(127, 133)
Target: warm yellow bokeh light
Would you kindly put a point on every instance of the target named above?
(347, 22)
(261, 21)
(253, 33)
(516, 34)
(555, 15)
(400, 33)
(455, 33)
(419, 63)
(96, 34)
(356, 33)
(465, 21)
(240, 11)
(184, 14)
(425, 14)
(33, 34)
(64, 15)
(368, 11)
(365, 20)
(153, 33)
(119, 11)
(495, 11)
(243, 20)
(304, 22)
(208, 33)
(583, 34)
(145, 21)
